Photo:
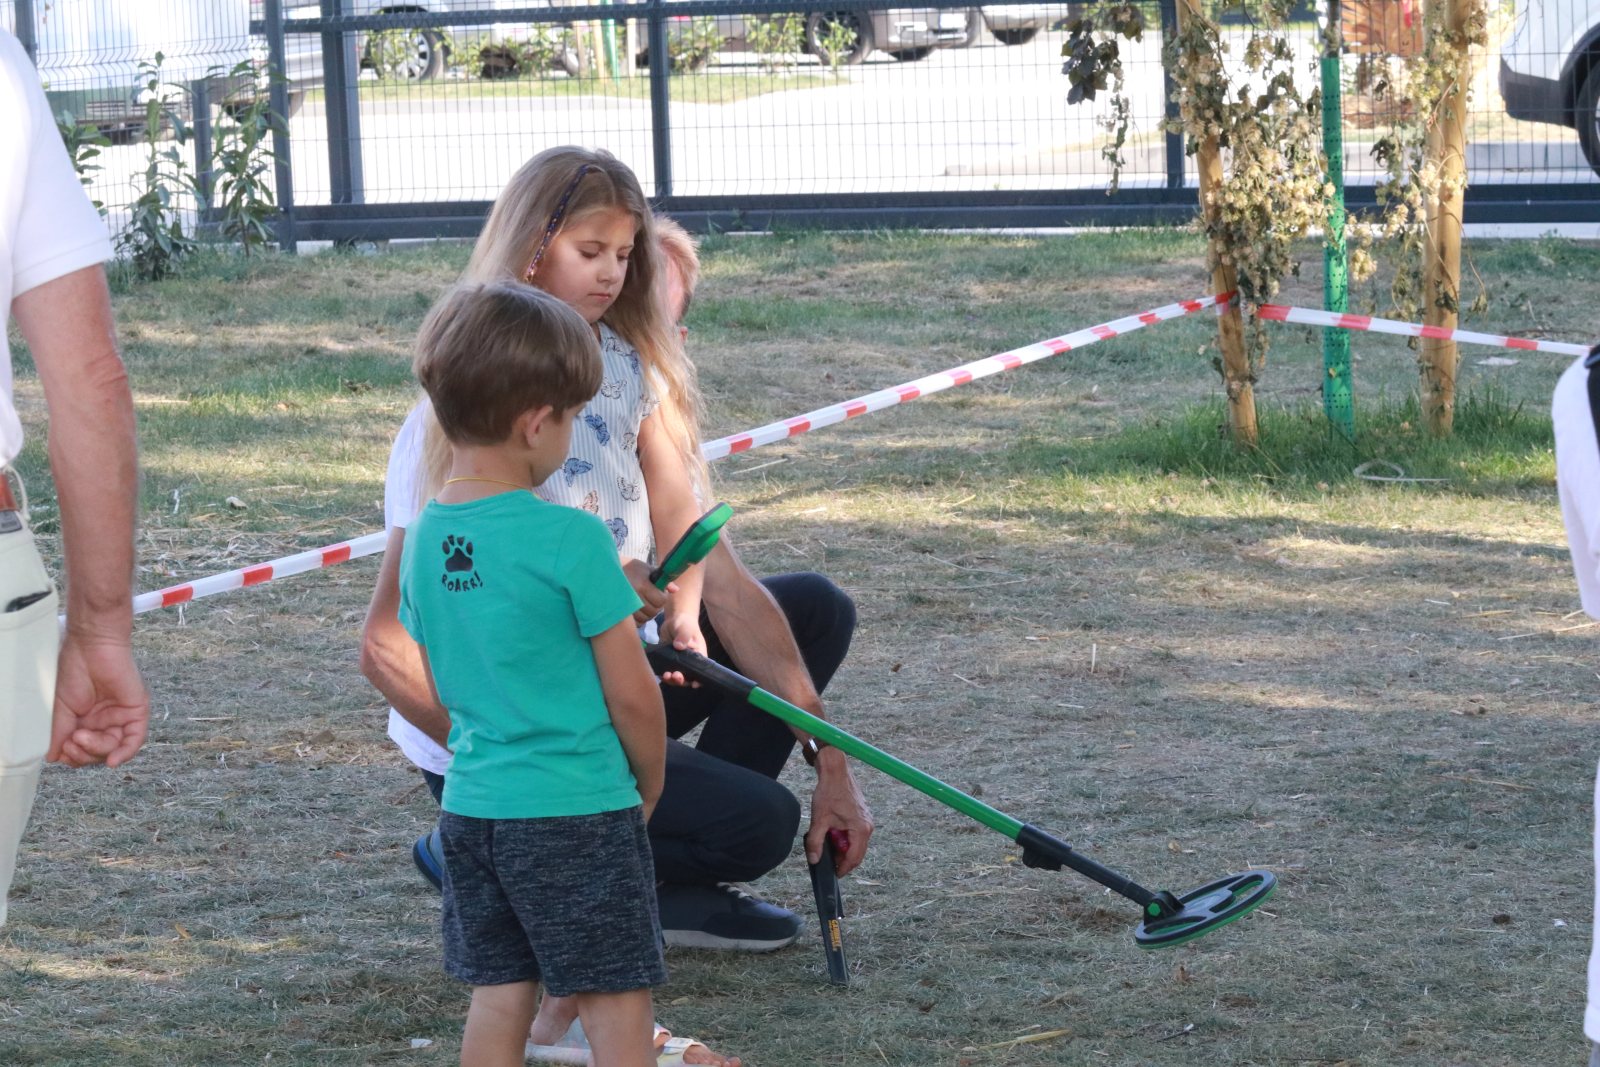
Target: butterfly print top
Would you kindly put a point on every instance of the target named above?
(602, 473)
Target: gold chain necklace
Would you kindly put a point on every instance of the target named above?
(493, 481)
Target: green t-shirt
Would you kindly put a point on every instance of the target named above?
(504, 593)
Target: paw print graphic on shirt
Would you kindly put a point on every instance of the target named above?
(460, 573)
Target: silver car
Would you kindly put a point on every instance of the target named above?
(904, 33)
(1021, 23)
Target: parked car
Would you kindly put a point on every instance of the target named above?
(905, 33)
(419, 54)
(1020, 23)
(89, 54)
(1550, 69)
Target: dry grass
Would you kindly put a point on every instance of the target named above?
(1183, 665)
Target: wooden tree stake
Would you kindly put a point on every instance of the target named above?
(1236, 375)
(1441, 272)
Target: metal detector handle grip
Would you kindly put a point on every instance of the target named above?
(695, 545)
(706, 670)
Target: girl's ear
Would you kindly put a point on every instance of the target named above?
(532, 422)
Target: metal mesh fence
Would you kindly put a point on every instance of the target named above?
(102, 63)
(430, 110)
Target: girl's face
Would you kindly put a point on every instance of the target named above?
(587, 262)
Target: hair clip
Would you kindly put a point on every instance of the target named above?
(555, 222)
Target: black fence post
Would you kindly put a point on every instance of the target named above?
(660, 104)
(283, 170)
(1169, 30)
(28, 30)
(341, 71)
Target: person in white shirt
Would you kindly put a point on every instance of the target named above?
(73, 697)
(1575, 412)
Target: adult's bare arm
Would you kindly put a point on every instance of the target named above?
(756, 635)
(102, 710)
(390, 659)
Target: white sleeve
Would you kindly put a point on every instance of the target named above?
(57, 230)
(402, 485)
(1578, 479)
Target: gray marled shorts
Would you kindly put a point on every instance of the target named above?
(569, 901)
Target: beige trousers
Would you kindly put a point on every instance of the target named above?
(30, 640)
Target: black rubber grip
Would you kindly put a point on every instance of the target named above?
(706, 670)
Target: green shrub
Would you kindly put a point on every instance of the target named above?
(777, 41)
(154, 241)
(692, 49)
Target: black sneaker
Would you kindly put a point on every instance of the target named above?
(428, 855)
(724, 916)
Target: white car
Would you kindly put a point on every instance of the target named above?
(1550, 69)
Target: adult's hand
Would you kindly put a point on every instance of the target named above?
(102, 711)
(837, 804)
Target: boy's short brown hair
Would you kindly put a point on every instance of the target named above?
(488, 353)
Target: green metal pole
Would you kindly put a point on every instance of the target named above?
(1337, 393)
(876, 757)
(609, 33)
(1039, 849)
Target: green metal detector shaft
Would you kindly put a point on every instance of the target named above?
(1039, 848)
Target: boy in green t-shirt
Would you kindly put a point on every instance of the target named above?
(556, 728)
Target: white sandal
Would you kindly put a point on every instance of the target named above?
(673, 1051)
(669, 1055)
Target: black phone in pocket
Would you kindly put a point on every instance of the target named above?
(27, 600)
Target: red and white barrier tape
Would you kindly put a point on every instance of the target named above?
(315, 559)
(371, 544)
(934, 383)
(712, 450)
(1314, 317)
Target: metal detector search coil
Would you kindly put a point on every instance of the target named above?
(1205, 909)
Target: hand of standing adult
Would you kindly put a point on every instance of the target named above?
(102, 710)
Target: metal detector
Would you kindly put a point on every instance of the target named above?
(1168, 919)
(695, 544)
